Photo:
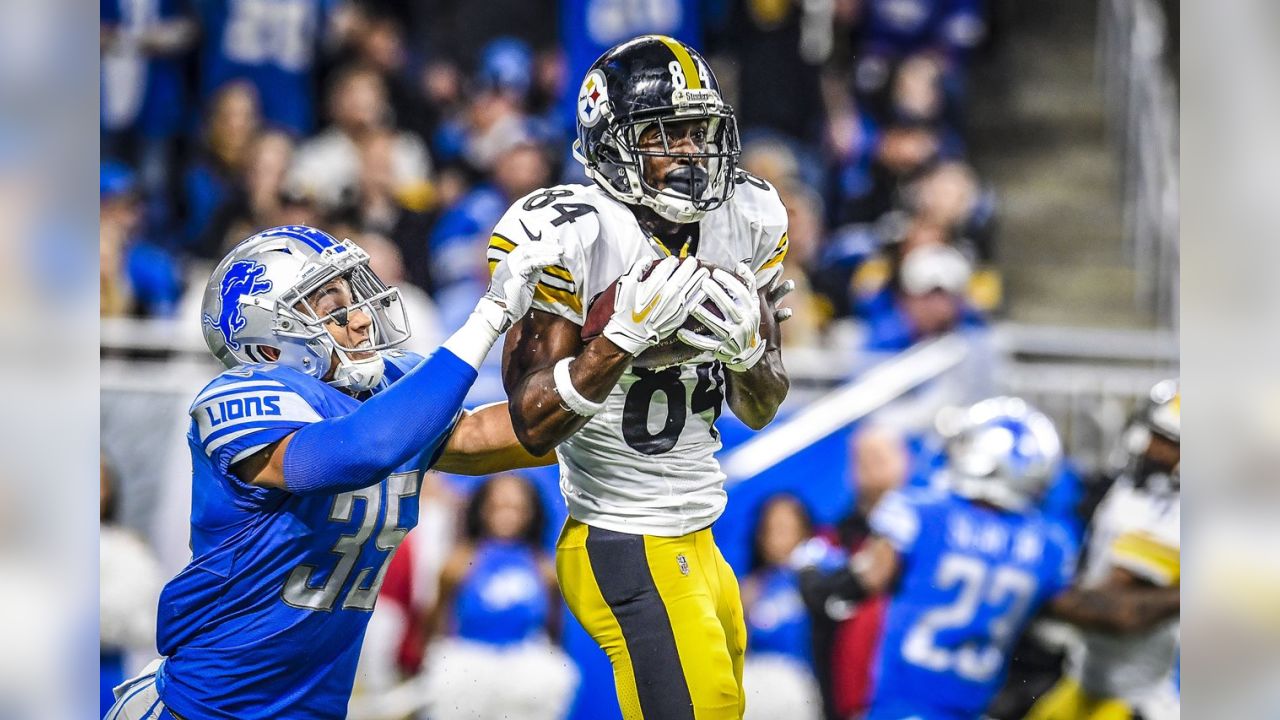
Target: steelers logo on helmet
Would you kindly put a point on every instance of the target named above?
(593, 99)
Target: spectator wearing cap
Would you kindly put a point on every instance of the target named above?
(497, 117)
(137, 277)
(925, 299)
(328, 166)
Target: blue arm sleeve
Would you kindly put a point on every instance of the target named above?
(359, 449)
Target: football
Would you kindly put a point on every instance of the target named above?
(671, 351)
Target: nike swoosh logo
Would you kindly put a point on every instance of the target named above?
(644, 313)
(534, 238)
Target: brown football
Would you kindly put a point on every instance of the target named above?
(670, 351)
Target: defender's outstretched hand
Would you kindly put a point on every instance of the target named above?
(511, 288)
(735, 332)
(648, 308)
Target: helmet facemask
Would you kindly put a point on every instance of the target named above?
(298, 317)
(699, 186)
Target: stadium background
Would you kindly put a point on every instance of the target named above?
(1037, 141)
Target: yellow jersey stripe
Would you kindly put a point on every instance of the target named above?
(1145, 552)
(556, 296)
(692, 80)
(498, 242)
(778, 255)
(557, 271)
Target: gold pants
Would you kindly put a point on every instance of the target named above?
(1068, 701)
(666, 611)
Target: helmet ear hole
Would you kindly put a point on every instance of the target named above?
(262, 353)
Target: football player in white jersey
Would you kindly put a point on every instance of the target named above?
(1134, 541)
(636, 560)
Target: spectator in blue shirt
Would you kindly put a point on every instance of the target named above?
(925, 299)
(144, 96)
(457, 246)
(137, 277)
(211, 180)
(272, 44)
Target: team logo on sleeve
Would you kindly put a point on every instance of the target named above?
(593, 99)
(242, 278)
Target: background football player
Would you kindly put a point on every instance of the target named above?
(307, 455)
(968, 565)
(636, 560)
(1134, 542)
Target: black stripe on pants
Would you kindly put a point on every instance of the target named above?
(621, 569)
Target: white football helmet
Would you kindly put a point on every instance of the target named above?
(255, 307)
(1001, 450)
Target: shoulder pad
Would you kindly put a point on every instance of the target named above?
(759, 200)
(566, 214)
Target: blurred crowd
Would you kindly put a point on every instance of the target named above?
(411, 126)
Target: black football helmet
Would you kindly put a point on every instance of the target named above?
(1158, 414)
(651, 80)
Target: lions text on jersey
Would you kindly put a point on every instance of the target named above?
(645, 464)
(971, 577)
(267, 619)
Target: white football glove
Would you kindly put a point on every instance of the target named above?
(648, 310)
(735, 339)
(511, 288)
(776, 289)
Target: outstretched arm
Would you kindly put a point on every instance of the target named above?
(359, 449)
(484, 442)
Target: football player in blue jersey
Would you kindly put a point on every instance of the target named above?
(308, 453)
(968, 565)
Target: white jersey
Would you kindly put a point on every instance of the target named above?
(645, 464)
(1136, 529)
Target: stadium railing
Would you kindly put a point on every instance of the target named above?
(1142, 114)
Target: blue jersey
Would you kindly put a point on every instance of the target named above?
(778, 621)
(267, 619)
(903, 27)
(142, 92)
(971, 578)
(503, 599)
(270, 43)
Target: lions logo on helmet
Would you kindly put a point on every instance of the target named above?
(241, 279)
(256, 307)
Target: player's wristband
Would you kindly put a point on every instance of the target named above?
(569, 394)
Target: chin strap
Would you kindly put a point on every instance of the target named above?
(358, 376)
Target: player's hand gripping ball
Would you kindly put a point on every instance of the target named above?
(667, 350)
